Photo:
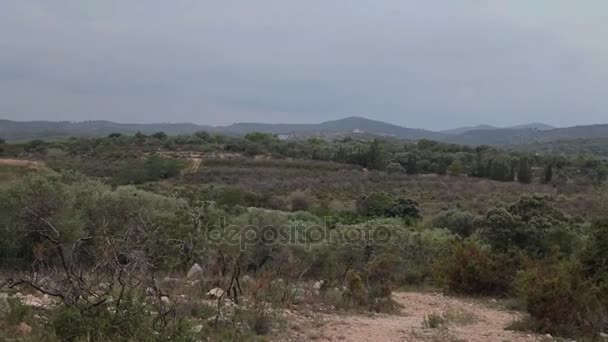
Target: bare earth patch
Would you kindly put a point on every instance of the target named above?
(458, 319)
(35, 165)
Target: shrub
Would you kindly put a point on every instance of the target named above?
(433, 321)
(380, 204)
(355, 288)
(133, 321)
(595, 255)
(381, 276)
(458, 222)
(394, 168)
(300, 200)
(531, 224)
(560, 299)
(472, 269)
(375, 204)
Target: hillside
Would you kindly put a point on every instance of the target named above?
(473, 135)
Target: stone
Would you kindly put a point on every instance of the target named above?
(165, 300)
(318, 284)
(24, 329)
(215, 293)
(5, 307)
(170, 282)
(298, 295)
(197, 328)
(196, 271)
(221, 321)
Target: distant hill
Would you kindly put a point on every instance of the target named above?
(465, 129)
(462, 130)
(534, 133)
(597, 147)
(519, 136)
(535, 125)
(17, 130)
(13, 130)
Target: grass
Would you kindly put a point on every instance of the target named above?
(433, 321)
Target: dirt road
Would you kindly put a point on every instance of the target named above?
(459, 320)
(36, 165)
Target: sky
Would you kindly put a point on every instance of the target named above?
(432, 64)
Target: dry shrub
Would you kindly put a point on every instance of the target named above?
(560, 299)
(300, 200)
(355, 289)
(471, 269)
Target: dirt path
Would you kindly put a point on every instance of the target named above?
(35, 165)
(462, 320)
(195, 164)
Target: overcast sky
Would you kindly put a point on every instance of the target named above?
(426, 63)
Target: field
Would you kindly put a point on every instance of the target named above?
(220, 238)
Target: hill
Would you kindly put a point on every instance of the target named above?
(533, 133)
(519, 136)
(13, 130)
(465, 129)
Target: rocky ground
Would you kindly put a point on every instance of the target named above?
(423, 317)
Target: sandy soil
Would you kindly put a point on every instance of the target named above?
(23, 163)
(464, 320)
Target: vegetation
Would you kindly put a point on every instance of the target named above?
(107, 228)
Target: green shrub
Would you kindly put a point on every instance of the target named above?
(458, 222)
(133, 321)
(380, 204)
(595, 254)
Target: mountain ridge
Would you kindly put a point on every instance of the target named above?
(353, 125)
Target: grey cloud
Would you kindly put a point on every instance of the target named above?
(432, 64)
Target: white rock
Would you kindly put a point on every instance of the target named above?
(196, 271)
(318, 284)
(215, 293)
(5, 307)
(165, 300)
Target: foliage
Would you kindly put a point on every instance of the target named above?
(381, 204)
(461, 223)
(530, 224)
(560, 299)
(472, 269)
(594, 256)
(133, 321)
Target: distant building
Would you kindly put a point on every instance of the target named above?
(283, 136)
(358, 131)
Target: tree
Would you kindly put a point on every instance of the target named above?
(2, 141)
(394, 168)
(524, 174)
(159, 135)
(411, 167)
(595, 256)
(455, 168)
(140, 137)
(548, 173)
(374, 156)
(458, 222)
